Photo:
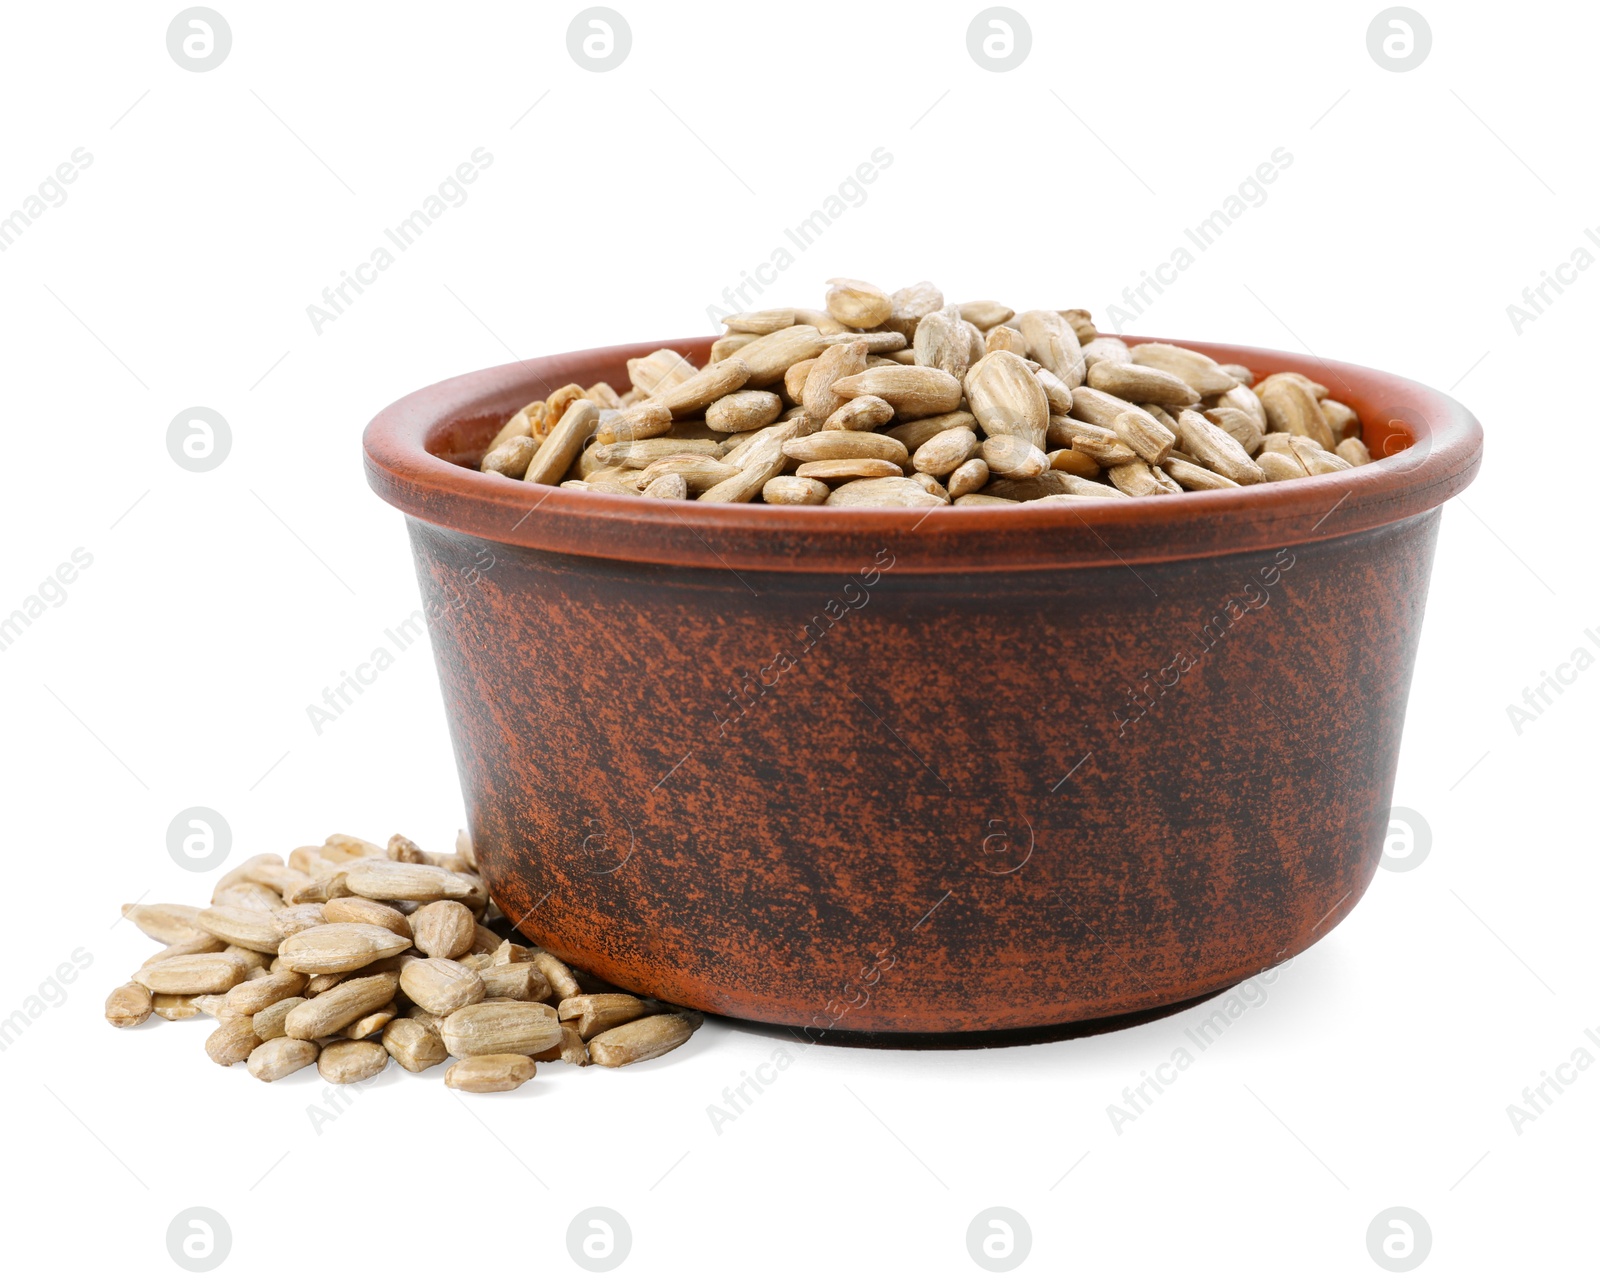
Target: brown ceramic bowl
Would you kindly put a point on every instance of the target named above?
(930, 772)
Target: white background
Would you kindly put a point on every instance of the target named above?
(178, 668)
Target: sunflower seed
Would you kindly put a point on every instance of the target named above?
(351, 1061)
(642, 1040)
(273, 1059)
(500, 1028)
(339, 948)
(491, 1073)
(129, 1005)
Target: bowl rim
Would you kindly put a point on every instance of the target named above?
(1442, 452)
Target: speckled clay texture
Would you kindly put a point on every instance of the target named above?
(939, 777)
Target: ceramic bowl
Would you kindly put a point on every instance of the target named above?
(912, 772)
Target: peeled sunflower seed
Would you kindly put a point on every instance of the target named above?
(413, 1045)
(1199, 371)
(941, 342)
(1013, 457)
(768, 358)
(911, 304)
(758, 322)
(441, 986)
(642, 1040)
(888, 491)
(985, 314)
(1141, 383)
(351, 1061)
(594, 1014)
(174, 1008)
(355, 910)
(914, 391)
(233, 1041)
(743, 411)
(273, 1059)
(1004, 338)
(967, 479)
(793, 491)
(828, 445)
(1053, 342)
(1213, 448)
(370, 1024)
(444, 929)
(945, 452)
(193, 975)
(500, 1028)
(491, 1073)
(863, 413)
(409, 882)
(339, 1006)
(164, 922)
(129, 1005)
(524, 981)
(250, 998)
(563, 982)
(1007, 399)
(204, 945)
(339, 948)
(254, 929)
(857, 304)
(636, 422)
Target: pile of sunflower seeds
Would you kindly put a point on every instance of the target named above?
(353, 953)
(899, 399)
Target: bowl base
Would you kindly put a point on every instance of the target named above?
(996, 1039)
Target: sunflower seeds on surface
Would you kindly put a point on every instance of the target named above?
(232, 1042)
(524, 981)
(129, 1005)
(165, 922)
(410, 882)
(351, 1061)
(500, 1028)
(251, 997)
(339, 948)
(273, 1059)
(491, 1073)
(413, 1044)
(443, 929)
(441, 986)
(193, 975)
(339, 1006)
(642, 1040)
(594, 1014)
